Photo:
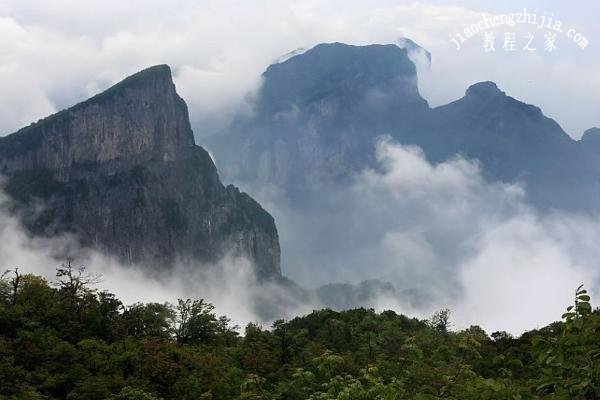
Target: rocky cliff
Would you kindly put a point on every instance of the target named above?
(121, 171)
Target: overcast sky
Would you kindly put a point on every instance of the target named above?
(55, 53)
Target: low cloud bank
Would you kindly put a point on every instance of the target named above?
(443, 236)
(230, 285)
(423, 237)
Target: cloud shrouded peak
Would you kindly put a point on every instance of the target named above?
(339, 69)
(484, 89)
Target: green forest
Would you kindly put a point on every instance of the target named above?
(67, 340)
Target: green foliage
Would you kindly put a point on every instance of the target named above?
(66, 340)
(129, 393)
(569, 361)
(197, 323)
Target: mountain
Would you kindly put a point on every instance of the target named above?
(591, 138)
(121, 172)
(513, 141)
(318, 115)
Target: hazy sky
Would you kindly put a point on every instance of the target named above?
(55, 53)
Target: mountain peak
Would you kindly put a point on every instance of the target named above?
(153, 71)
(591, 136)
(121, 172)
(484, 89)
(335, 98)
(147, 76)
(340, 71)
(326, 58)
(154, 78)
(139, 119)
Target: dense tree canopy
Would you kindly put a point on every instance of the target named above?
(65, 340)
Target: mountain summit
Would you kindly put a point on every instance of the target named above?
(317, 115)
(484, 89)
(138, 120)
(121, 171)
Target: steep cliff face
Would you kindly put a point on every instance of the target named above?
(318, 113)
(122, 172)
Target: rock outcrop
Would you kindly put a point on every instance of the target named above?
(121, 171)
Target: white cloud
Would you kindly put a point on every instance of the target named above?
(467, 244)
(229, 284)
(524, 274)
(66, 50)
(462, 242)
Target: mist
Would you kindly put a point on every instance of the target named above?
(443, 234)
(231, 284)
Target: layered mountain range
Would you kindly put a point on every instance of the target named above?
(121, 172)
(318, 116)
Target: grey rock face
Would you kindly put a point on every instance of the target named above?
(317, 115)
(122, 172)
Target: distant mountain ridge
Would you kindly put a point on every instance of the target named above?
(318, 115)
(121, 171)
